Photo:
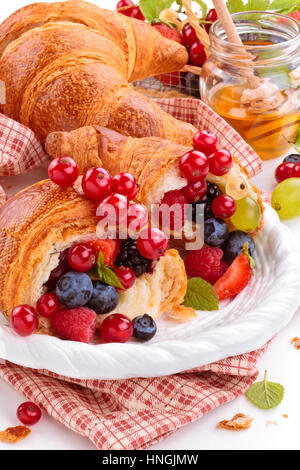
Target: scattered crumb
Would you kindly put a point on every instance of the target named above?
(271, 423)
(182, 314)
(237, 423)
(285, 416)
(296, 342)
(13, 435)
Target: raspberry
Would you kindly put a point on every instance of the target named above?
(76, 324)
(177, 216)
(205, 263)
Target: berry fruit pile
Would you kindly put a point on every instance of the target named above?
(186, 82)
(91, 275)
(203, 203)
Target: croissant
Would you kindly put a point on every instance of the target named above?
(43, 220)
(67, 65)
(152, 160)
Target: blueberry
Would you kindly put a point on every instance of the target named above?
(144, 327)
(294, 158)
(234, 245)
(74, 289)
(213, 191)
(215, 231)
(104, 299)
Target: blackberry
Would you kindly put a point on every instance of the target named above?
(207, 209)
(129, 256)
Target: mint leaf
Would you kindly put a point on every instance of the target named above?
(151, 9)
(200, 295)
(265, 394)
(108, 276)
(102, 272)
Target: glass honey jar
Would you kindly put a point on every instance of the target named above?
(256, 88)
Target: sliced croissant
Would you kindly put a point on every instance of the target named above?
(43, 220)
(152, 160)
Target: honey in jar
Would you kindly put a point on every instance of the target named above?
(267, 115)
(268, 132)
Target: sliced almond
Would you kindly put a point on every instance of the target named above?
(237, 423)
(14, 435)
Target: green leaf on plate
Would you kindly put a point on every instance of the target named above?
(265, 394)
(200, 295)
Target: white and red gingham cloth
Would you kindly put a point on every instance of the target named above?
(133, 413)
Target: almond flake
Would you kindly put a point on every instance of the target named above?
(296, 342)
(237, 423)
(14, 435)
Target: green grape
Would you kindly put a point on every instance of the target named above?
(247, 215)
(286, 198)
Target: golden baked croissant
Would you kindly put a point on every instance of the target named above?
(68, 64)
(43, 220)
(152, 160)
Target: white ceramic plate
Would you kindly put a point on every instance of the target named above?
(241, 325)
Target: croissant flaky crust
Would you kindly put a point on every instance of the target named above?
(44, 219)
(68, 64)
(152, 160)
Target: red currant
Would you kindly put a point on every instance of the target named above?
(194, 192)
(152, 243)
(96, 183)
(197, 54)
(24, 320)
(116, 328)
(126, 276)
(134, 12)
(193, 166)
(29, 413)
(63, 171)
(189, 35)
(82, 257)
(113, 208)
(125, 183)
(137, 217)
(284, 171)
(296, 171)
(220, 162)
(47, 305)
(206, 142)
(223, 206)
(212, 16)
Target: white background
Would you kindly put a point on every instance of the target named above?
(281, 360)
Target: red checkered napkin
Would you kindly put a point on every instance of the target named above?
(134, 413)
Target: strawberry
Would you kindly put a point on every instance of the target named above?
(76, 324)
(173, 34)
(110, 249)
(237, 276)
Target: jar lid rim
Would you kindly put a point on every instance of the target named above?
(288, 42)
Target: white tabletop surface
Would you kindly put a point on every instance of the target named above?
(281, 360)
